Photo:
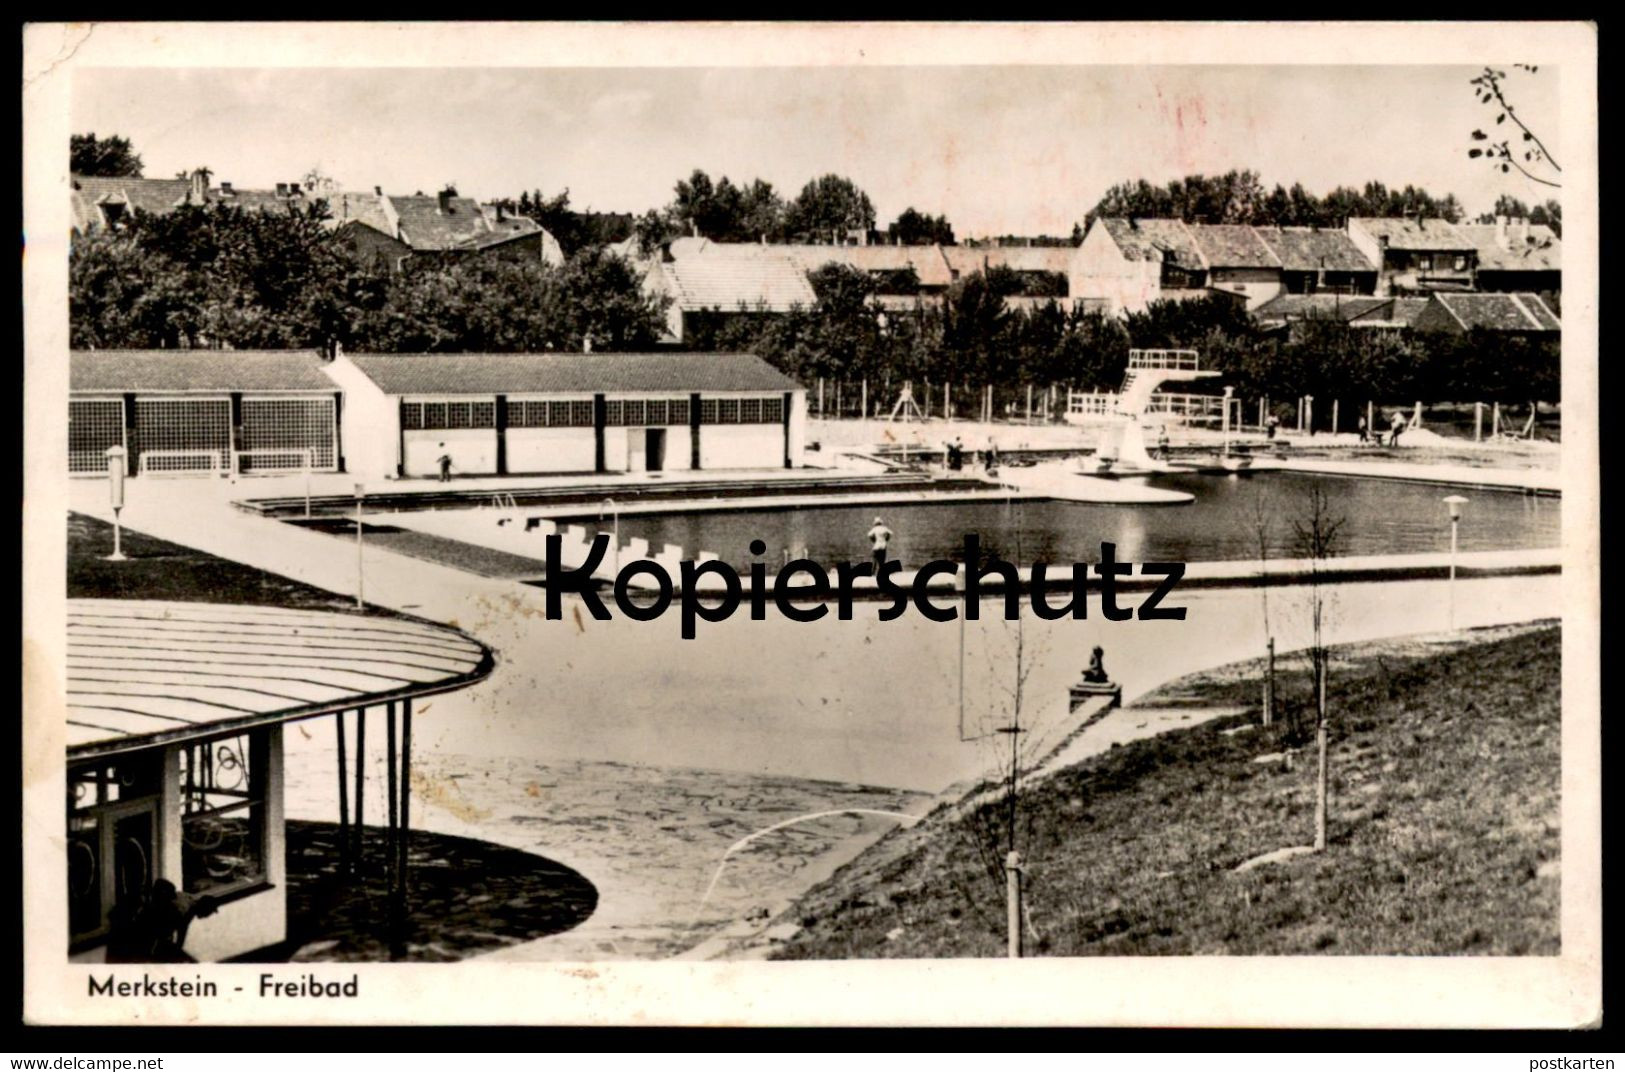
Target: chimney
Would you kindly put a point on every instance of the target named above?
(444, 200)
(499, 212)
(282, 189)
(378, 191)
(200, 186)
(295, 188)
(226, 190)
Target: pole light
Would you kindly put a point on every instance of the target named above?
(360, 494)
(115, 489)
(1454, 503)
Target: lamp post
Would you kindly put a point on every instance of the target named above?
(615, 528)
(360, 494)
(1454, 503)
(115, 490)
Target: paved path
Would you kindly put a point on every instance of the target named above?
(1466, 476)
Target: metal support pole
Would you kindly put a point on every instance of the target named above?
(406, 803)
(863, 399)
(360, 600)
(391, 841)
(344, 798)
(1012, 896)
(1478, 422)
(1029, 403)
(1454, 524)
(360, 772)
(1335, 403)
(1495, 420)
(1370, 417)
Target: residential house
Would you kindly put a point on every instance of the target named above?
(1416, 255)
(1319, 260)
(100, 201)
(1515, 255)
(1131, 263)
(708, 280)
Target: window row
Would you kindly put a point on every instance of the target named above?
(629, 412)
(437, 415)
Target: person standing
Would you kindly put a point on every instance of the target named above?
(880, 538)
(1364, 437)
(444, 461)
(1396, 426)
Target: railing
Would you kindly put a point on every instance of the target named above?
(1158, 403)
(504, 500)
(1174, 360)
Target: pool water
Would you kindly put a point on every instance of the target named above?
(1377, 517)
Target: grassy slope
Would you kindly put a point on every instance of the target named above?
(1444, 833)
(158, 569)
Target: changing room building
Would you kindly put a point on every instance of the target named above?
(500, 414)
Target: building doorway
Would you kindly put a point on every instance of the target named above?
(654, 449)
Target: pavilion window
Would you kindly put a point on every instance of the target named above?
(708, 411)
(677, 411)
(772, 410)
(655, 411)
(411, 416)
(434, 415)
(612, 412)
(728, 411)
(581, 414)
(112, 823)
(633, 411)
(222, 789)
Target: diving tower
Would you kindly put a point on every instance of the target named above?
(1122, 449)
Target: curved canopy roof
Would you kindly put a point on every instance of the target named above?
(142, 673)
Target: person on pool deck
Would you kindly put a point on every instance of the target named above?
(1396, 427)
(444, 461)
(880, 538)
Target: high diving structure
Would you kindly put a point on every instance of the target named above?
(1122, 450)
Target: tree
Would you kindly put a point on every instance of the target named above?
(829, 206)
(112, 156)
(1530, 158)
(913, 228)
(1316, 537)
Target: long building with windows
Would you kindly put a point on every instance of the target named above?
(203, 410)
(500, 414)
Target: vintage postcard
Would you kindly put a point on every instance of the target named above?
(811, 524)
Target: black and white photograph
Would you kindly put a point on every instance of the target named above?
(1079, 525)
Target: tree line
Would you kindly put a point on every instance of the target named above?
(1240, 197)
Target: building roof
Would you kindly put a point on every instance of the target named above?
(1362, 310)
(1312, 249)
(1232, 245)
(1421, 235)
(423, 226)
(1539, 250)
(1285, 307)
(1499, 312)
(967, 260)
(730, 276)
(488, 374)
(142, 673)
(929, 262)
(155, 196)
(1153, 240)
(368, 208)
(197, 370)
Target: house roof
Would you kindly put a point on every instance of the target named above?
(142, 673)
(424, 227)
(155, 196)
(1425, 236)
(1311, 249)
(368, 208)
(969, 259)
(1538, 251)
(1360, 309)
(929, 262)
(486, 374)
(1499, 312)
(197, 370)
(1287, 307)
(732, 276)
(1151, 239)
(1232, 245)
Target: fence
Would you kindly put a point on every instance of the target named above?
(184, 462)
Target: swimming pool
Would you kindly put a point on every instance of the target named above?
(1378, 517)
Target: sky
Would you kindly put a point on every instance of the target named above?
(997, 149)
